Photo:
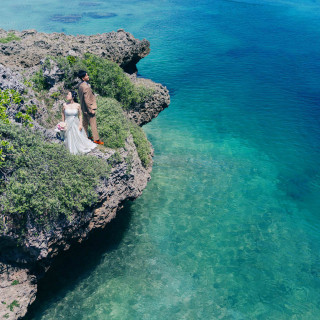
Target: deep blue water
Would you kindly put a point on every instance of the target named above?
(228, 227)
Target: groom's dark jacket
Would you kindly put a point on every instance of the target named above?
(87, 98)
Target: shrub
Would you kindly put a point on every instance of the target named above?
(7, 97)
(112, 125)
(114, 128)
(13, 304)
(109, 80)
(41, 181)
(38, 81)
(10, 37)
(142, 144)
(106, 78)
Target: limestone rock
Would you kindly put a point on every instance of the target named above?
(53, 74)
(152, 106)
(120, 47)
(17, 291)
(10, 79)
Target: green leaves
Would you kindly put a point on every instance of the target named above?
(38, 81)
(142, 144)
(109, 80)
(5, 147)
(13, 304)
(106, 78)
(9, 97)
(114, 128)
(10, 37)
(46, 182)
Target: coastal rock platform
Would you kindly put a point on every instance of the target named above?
(120, 47)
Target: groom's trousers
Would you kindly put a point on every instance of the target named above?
(90, 119)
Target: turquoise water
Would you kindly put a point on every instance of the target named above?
(228, 227)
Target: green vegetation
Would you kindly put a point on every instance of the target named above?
(109, 80)
(115, 159)
(112, 125)
(106, 78)
(56, 95)
(10, 37)
(142, 144)
(13, 304)
(42, 182)
(27, 83)
(38, 81)
(128, 160)
(8, 97)
(114, 128)
(15, 282)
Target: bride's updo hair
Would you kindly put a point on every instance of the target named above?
(74, 96)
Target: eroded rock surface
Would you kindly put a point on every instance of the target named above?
(153, 105)
(120, 47)
(17, 291)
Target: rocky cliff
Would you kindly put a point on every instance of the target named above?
(22, 264)
(32, 46)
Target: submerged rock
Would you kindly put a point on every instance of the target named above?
(99, 15)
(89, 4)
(71, 18)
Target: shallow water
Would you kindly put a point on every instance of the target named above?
(228, 227)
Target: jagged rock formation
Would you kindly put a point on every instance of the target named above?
(10, 79)
(150, 109)
(22, 266)
(18, 287)
(120, 47)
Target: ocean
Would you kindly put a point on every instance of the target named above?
(228, 226)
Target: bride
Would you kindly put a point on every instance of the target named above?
(75, 138)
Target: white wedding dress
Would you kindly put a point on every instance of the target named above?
(75, 140)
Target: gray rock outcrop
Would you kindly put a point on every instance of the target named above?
(120, 47)
(10, 79)
(18, 290)
(152, 106)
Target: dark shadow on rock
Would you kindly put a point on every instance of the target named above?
(79, 261)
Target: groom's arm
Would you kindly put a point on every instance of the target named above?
(89, 99)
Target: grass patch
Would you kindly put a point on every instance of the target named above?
(41, 182)
(142, 144)
(10, 37)
(114, 128)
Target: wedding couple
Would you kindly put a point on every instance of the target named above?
(78, 116)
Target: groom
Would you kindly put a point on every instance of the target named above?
(88, 106)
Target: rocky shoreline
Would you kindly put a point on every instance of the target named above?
(22, 266)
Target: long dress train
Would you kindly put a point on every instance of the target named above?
(75, 140)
